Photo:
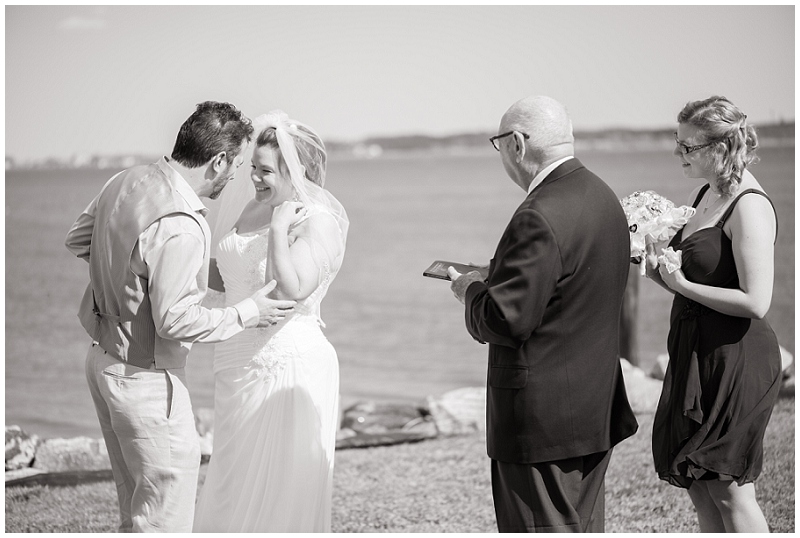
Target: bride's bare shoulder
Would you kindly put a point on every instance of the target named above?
(320, 222)
(319, 227)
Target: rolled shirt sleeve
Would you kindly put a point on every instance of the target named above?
(79, 237)
(173, 252)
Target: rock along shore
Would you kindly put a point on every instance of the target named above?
(30, 460)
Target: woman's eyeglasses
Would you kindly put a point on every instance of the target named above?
(494, 139)
(686, 149)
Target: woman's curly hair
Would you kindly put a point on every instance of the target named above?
(733, 141)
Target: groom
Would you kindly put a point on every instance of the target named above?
(147, 243)
(550, 311)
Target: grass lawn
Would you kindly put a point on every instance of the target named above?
(443, 485)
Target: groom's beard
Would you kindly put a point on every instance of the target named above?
(218, 187)
(226, 176)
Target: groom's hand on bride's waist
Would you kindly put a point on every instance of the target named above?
(271, 311)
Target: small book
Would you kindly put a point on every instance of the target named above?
(438, 269)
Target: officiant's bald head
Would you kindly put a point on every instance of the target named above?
(547, 125)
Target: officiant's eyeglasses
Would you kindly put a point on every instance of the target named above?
(686, 149)
(494, 139)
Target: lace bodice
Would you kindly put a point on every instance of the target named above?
(242, 262)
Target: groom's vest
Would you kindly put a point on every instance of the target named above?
(115, 310)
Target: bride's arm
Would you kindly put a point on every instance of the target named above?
(296, 267)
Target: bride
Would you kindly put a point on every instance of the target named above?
(276, 394)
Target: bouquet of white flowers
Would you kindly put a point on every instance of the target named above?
(649, 213)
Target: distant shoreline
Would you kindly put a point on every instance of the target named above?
(627, 140)
(580, 146)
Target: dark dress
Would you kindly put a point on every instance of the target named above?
(723, 375)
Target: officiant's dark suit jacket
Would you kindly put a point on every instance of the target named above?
(550, 312)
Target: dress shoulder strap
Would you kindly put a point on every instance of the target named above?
(728, 211)
(700, 195)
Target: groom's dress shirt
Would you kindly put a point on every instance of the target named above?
(170, 256)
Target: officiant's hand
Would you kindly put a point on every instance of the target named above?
(460, 282)
(271, 311)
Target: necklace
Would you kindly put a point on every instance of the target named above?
(706, 205)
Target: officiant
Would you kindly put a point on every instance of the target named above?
(550, 312)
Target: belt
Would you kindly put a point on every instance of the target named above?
(97, 345)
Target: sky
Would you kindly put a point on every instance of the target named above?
(100, 80)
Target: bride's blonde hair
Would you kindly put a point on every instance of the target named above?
(310, 151)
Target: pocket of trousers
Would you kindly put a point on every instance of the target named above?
(120, 376)
(170, 392)
(123, 371)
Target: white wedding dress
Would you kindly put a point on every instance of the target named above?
(276, 408)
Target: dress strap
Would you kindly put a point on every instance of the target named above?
(700, 195)
(728, 211)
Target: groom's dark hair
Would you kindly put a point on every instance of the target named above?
(212, 128)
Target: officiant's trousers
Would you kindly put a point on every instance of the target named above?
(148, 426)
(557, 496)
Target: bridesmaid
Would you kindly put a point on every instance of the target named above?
(724, 367)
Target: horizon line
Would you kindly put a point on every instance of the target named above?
(366, 139)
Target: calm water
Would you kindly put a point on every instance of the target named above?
(399, 336)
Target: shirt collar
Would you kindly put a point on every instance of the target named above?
(182, 186)
(546, 172)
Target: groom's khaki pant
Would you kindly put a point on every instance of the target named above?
(148, 425)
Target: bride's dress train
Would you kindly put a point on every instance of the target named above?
(275, 411)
